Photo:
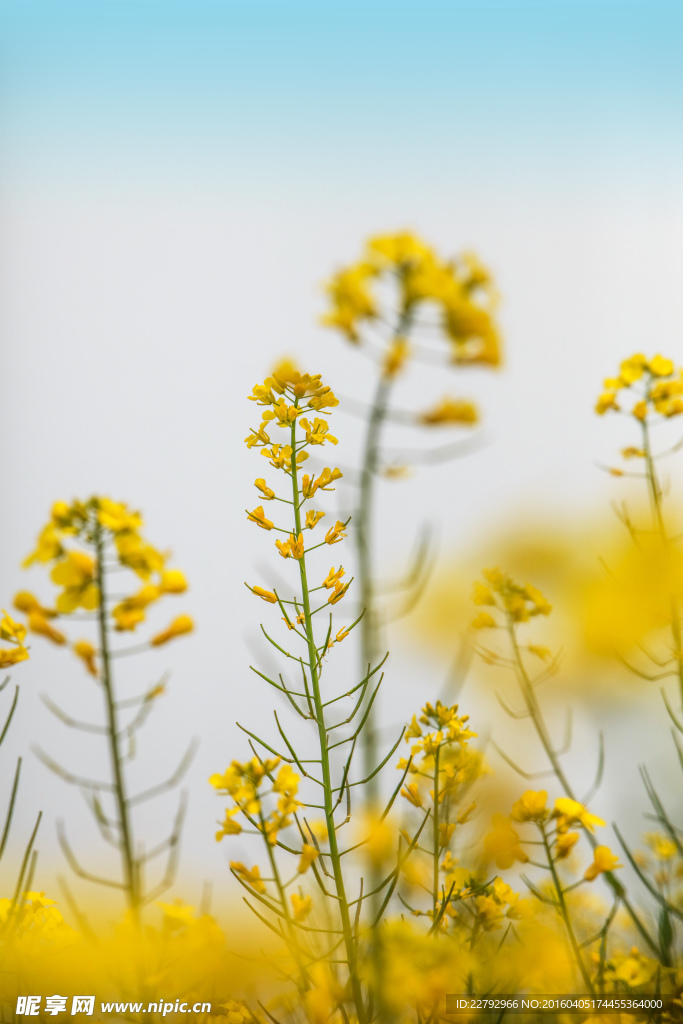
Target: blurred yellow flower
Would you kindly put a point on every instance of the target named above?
(181, 624)
(603, 860)
(86, 652)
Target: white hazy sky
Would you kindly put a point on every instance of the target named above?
(149, 278)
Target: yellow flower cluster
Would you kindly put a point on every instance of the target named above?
(503, 844)
(517, 602)
(13, 633)
(112, 532)
(243, 782)
(655, 385)
(460, 290)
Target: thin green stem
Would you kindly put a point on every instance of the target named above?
(564, 911)
(347, 929)
(130, 867)
(435, 833)
(536, 715)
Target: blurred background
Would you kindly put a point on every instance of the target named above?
(177, 182)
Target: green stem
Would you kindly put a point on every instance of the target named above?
(293, 938)
(538, 720)
(130, 867)
(565, 913)
(349, 942)
(435, 832)
(369, 624)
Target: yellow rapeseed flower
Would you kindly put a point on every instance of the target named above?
(265, 595)
(40, 625)
(503, 844)
(308, 855)
(313, 518)
(181, 624)
(335, 533)
(565, 843)
(25, 602)
(76, 574)
(267, 492)
(450, 410)
(570, 812)
(86, 652)
(173, 581)
(252, 876)
(531, 806)
(258, 516)
(301, 906)
(603, 860)
(395, 357)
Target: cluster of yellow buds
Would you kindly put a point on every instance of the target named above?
(112, 531)
(460, 290)
(449, 738)
(518, 602)
(286, 396)
(305, 392)
(655, 384)
(13, 633)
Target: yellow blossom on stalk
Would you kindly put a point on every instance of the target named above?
(352, 301)
(413, 730)
(531, 806)
(635, 969)
(662, 847)
(287, 781)
(25, 602)
(333, 577)
(338, 592)
(313, 518)
(252, 876)
(411, 792)
(569, 812)
(341, 635)
(258, 516)
(14, 633)
(267, 492)
(229, 827)
(130, 613)
(283, 413)
(265, 595)
(450, 411)
(86, 652)
(48, 547)
(308, 855)
(181, 624)
(603, 860)
(658, 390)
(37, 624)
(76, 572)
(335, 533)
(317, 432)
(301, 906)
(489, 912)
(503, 844)
(173, 582)
(565, 843)
(483, 621)
(446, 830)
(395, 357)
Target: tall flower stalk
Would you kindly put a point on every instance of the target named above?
(91, 543)
(393, 304)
